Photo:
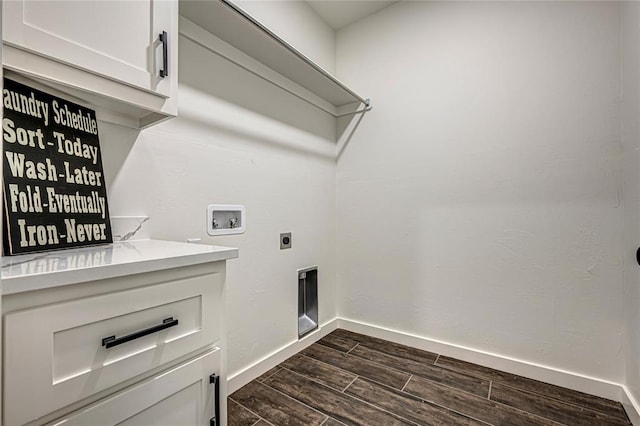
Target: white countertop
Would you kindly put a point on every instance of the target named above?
(43, 270)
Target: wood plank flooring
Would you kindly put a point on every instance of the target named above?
(352, 379)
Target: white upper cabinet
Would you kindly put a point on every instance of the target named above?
(92, 46)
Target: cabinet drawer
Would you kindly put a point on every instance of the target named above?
(54, 355)
(181, 396)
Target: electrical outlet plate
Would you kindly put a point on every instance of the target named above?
(285, 240)
(224, 219)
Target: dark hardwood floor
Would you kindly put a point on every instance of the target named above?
(352, 379)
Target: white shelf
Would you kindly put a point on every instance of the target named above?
(234, 26)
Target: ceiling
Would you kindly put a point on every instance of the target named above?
(339, 13)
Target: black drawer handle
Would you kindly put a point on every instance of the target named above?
(111, 341)
(164, 39)
(215, 381)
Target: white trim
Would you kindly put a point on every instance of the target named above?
(630, 405)
(567, 379)
(241, 378)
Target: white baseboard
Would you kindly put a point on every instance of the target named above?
(542, 373)
(630, 405)
(241, 378)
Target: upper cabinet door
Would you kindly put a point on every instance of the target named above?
(119, 40)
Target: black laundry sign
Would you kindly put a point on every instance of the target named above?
(53, 182)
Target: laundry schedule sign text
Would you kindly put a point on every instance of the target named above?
(53, 182)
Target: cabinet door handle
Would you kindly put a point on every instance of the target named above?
(215, 381)
(111, 341)
(164, 39)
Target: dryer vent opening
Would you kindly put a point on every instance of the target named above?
(307, 300)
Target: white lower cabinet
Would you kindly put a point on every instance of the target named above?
(183, 395)
(56, 352)
(137, 349)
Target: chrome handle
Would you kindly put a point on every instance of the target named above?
(164, 39)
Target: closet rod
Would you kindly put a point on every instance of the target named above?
(296, 52)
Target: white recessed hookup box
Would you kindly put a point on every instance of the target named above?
(224, 219)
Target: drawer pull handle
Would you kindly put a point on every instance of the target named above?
(111, 341)
(164, 39)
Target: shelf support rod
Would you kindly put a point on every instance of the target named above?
(367, 107)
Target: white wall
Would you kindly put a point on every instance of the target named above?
(630, 14)
(237, 140)
(479, 201)
(477, 204)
